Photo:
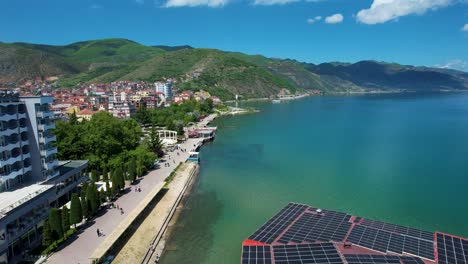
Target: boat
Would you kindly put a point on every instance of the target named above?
(276, 101)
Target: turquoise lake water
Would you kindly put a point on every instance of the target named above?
(400, 158)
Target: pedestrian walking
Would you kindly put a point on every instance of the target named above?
(117, 206)
(121, 211)
(139, 189)
(98, 233)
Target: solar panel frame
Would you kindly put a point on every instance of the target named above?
(319, 253)
(370, 259)
(411, 260)
(311, 227)
(256, 255)
(407, 231)
(268, 232)
(451, 250)
(384, 241)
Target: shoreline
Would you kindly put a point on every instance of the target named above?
(174, 219)
(146, 244)
(344, 93)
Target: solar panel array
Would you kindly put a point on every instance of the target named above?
(381, 259)
(452, 250)
(276, 225)
(328, 226)
(323, 253)
(411, 260)
(399, 229)
(256, 255)
(369, 259)
(299, 234)
(383, 241)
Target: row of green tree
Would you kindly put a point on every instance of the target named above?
(175, 116)
(88, 203)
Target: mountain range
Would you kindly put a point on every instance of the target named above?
(219, 72)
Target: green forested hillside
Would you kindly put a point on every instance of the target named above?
(221, 73)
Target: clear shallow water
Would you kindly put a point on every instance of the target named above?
(397, 158)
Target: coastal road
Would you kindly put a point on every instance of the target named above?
(86, 241)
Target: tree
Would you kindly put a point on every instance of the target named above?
(94, 176)
(142, 115)
(105, 174)
(55, 221)
(207, 106)
(139, 171)
(154, 142)
(131, 170)
(102, 196)
(118, 179)
(73, 119)
(76, 215)
(92, 198)
(47, 238)
(115, 187)
(65, 219)
(84, 202)
(108, 190)
(97, 140)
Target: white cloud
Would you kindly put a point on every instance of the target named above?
(334, 19)
(193, 3)
(273, 2)
(465, 27)
(382, 11)
(460, 65)
(313, 20)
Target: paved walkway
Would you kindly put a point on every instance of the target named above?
(84, 244)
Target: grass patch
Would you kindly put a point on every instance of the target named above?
(172, 175)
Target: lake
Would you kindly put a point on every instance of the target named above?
(399, 158)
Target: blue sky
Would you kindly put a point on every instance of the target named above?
(417, 32)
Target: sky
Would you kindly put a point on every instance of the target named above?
(414, 32)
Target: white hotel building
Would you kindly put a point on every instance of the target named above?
(32, 180)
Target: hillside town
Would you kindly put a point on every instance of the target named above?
(120, 98)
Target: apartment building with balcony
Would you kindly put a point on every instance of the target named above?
(32, 180)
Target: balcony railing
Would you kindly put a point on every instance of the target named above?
(48, 152)
(45, 127)
(47, 140)
(26, 225)
(11, 175)
(10, 116)
(51, 165)
(9, 131)
(27, 169)
(44, 114)
(10, 160)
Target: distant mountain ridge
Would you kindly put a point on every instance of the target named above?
(221, 73)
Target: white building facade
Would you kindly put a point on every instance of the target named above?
(31, 179)
(165, 88)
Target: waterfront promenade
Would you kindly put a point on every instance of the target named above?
(81, 246)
